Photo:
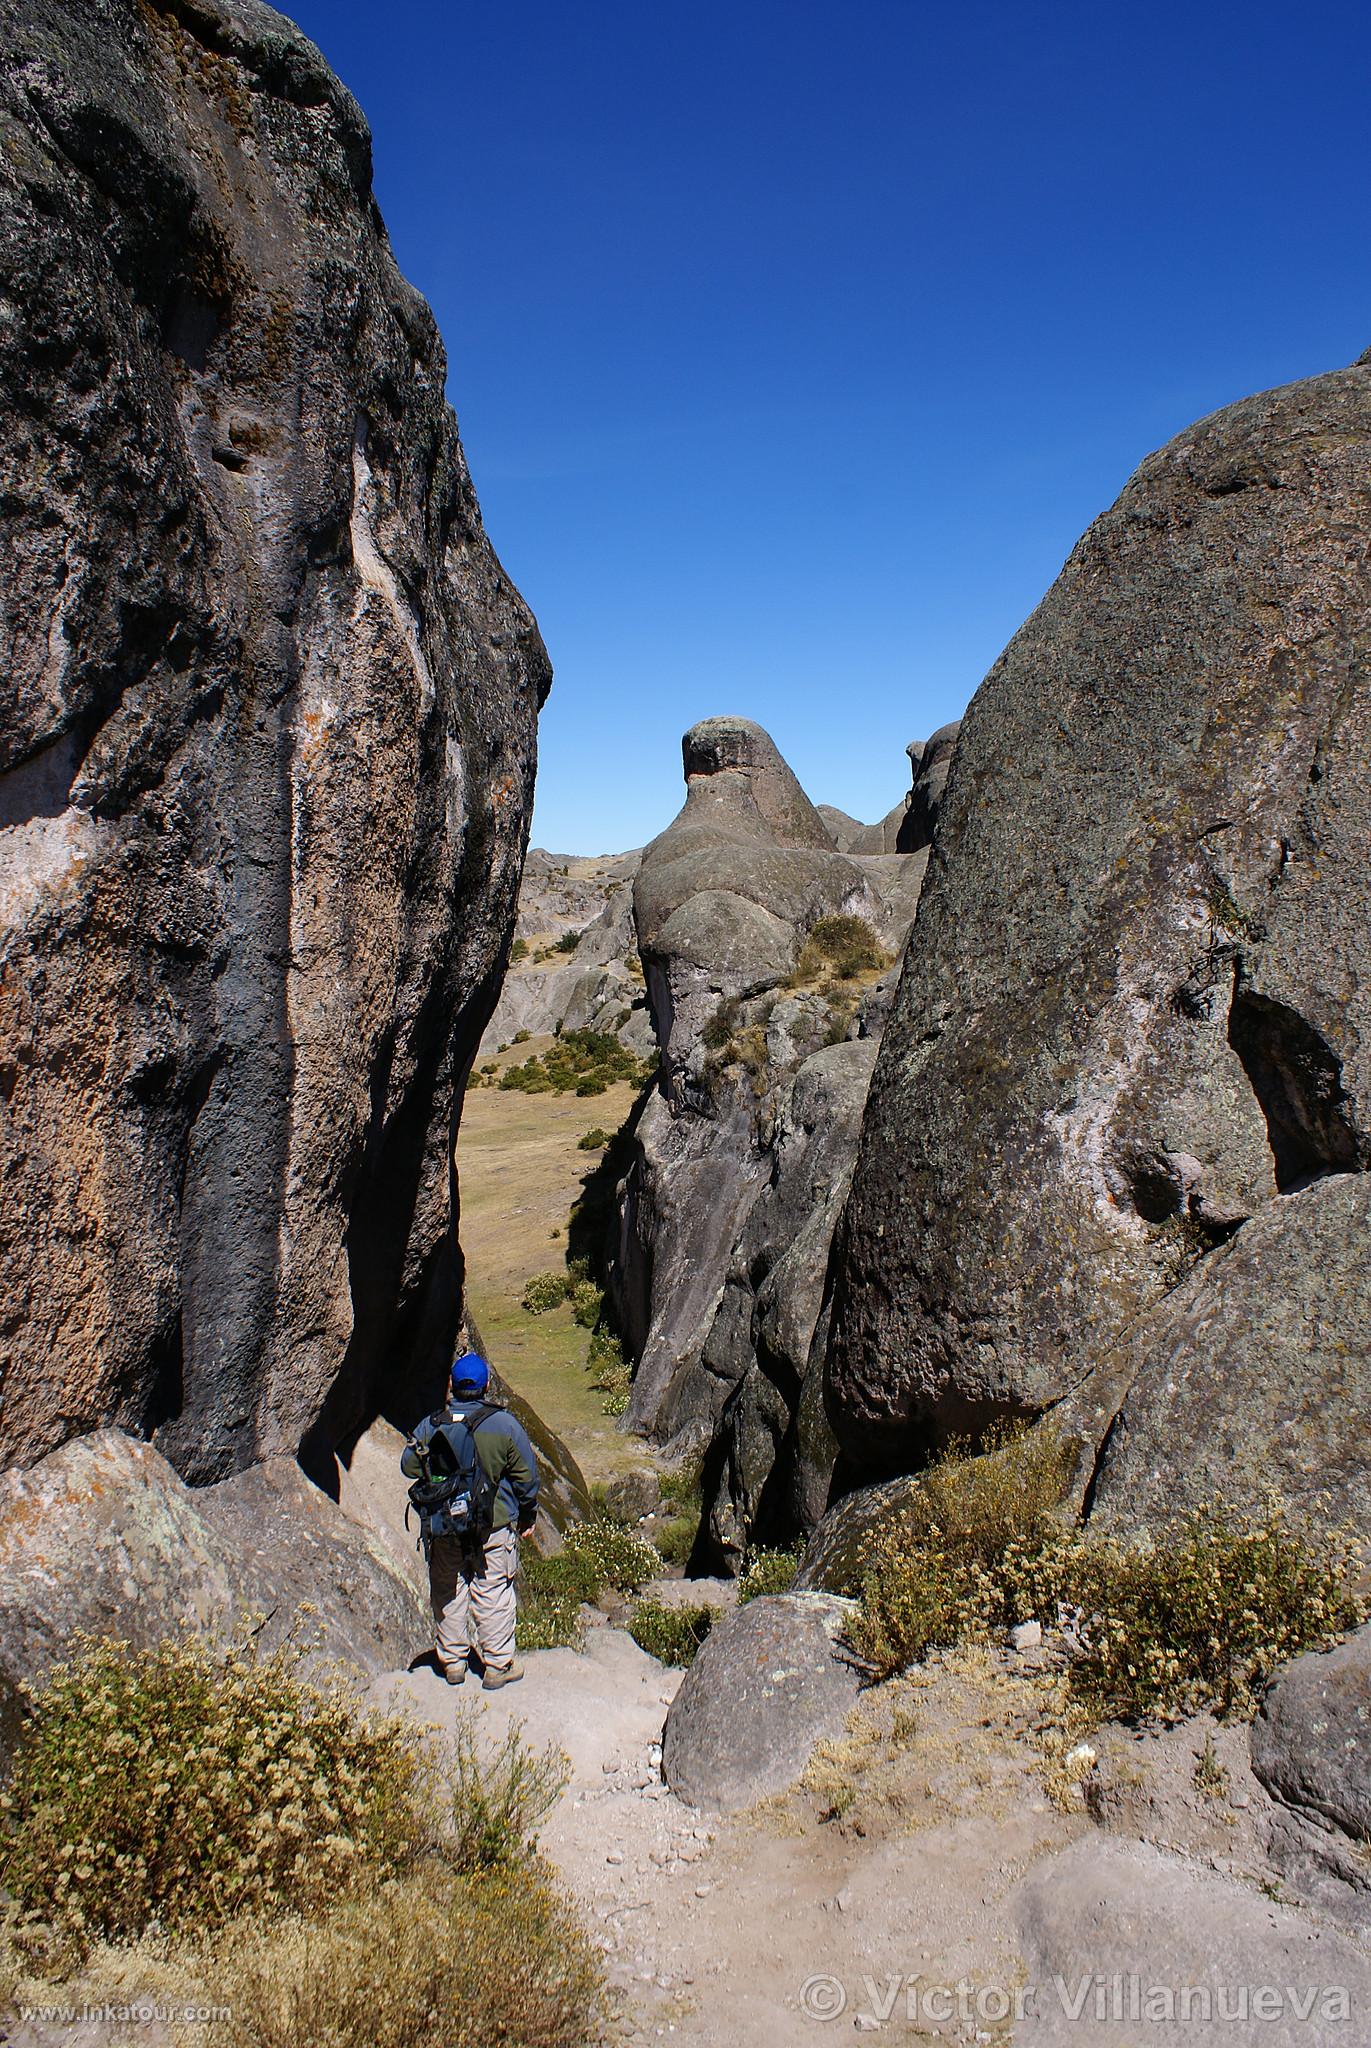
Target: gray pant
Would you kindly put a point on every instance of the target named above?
(472, 1596)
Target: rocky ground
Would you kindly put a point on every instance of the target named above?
(936, 1872)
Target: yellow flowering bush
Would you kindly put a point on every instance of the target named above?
(178, 1787)
(1199, 1616)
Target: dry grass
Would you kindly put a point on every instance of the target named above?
(433, 1956)
(969, 1731)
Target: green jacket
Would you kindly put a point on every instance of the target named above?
(506, 1457)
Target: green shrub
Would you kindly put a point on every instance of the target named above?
(844, 946)
(1204, 1615)
(165, 1785)
(498, 1798)
(550, 1593)
(1198, 1617)
(682, 1484)
(850, 945)
(567, 943)
(616, 1556)
(578, 1057)
(587, 1303)
(518, 951)
(183, 1787)
(609, 1371)
(719, 1031)
(521, 1038)
(543, 1292)
(594, 1140)
(675, 1540)
(597, 1554)
(954, 1559)
(768, 1571)
(670, 1634)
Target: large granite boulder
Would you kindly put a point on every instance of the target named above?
(778, 1451)
(1311, 1742)
(103, 1535)
(768, 1685)
(1121, 1942)
(267, 742)
(597, 985)
(1135, 1006)
(1254, 1374)
(722, 902)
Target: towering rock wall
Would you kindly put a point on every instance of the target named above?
(743, 1152)
(266, 748)
(1113, 1159)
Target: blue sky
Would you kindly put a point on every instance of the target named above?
(793, 344)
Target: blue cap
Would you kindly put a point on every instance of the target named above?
(470, 1374)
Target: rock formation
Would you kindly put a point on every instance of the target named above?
(770, 1682)
(1110, 1160)
(578, 967)
(743, 1152)
(266, 749)
(103, 1534)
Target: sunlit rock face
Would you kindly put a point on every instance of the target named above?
(742, 1154)
(1109, 1161)
(267, 742)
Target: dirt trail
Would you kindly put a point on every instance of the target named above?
(712, 1926)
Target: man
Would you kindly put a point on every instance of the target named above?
(471, 1580)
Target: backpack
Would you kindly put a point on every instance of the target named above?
(456, 1495)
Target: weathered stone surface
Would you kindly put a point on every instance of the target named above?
(719, 746)
(836, 1554)
(1106, 1914)
(908, 828)
(1311, 1742)
(1134, 1011)
(103, 1535)
(842, 826)
(631, 1495)
(373, 1493)
(767, 1685)
(758, 1105)
(598, 986)
(1254, 1374)
(266, 749)
(759, 1347)
(288, 1546)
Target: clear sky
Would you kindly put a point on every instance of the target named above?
(794, 342)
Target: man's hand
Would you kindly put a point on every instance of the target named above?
(526, 1529)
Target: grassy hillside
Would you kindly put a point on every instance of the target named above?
(520, 1173)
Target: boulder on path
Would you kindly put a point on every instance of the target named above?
(104, 1536)
(1311, 1742)
(1123, 1943)
(768, 1684)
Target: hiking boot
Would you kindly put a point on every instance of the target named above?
(501, 1674)
(455, 1674)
